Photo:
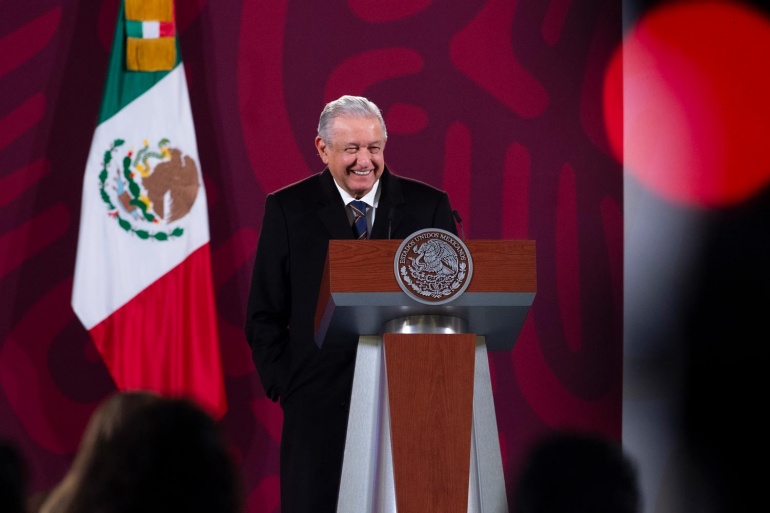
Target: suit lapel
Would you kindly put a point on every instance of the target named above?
(331, 211)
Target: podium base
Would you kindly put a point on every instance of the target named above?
(368, 481)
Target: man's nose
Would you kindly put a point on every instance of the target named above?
(364, 157)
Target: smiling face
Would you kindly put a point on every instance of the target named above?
(355, 153)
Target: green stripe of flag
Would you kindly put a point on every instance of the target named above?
(123, 86)
(134, 28)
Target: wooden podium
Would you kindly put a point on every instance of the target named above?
(422, 432)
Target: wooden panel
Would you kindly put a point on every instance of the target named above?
(498, 266)
(502, 266)
(370, 260)
(430, 393)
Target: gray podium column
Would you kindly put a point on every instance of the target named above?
(367, 483)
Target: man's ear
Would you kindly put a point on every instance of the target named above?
(320, 145)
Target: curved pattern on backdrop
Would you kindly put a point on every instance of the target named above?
(498, 102)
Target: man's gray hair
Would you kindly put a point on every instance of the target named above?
(353, 106)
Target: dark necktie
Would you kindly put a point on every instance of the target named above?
(359, 225)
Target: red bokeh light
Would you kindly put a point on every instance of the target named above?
(694, 85)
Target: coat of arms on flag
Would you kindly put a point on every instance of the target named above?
(150, 189)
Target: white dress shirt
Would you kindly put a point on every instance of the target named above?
(372, 199)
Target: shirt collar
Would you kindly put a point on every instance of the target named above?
(371, 198)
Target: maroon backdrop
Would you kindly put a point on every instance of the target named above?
(497, 101)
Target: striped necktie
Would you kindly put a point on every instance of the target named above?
(359, 225)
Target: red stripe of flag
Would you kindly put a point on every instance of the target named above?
(161, 340)
(166, 28)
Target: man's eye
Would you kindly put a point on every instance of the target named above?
(374, 149)
(351, 149)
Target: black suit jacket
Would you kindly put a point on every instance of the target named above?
(312, 384)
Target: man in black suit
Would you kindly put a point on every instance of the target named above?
(312, 384)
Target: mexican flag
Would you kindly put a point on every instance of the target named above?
(143, 286)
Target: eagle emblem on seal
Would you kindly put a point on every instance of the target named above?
(435, 258)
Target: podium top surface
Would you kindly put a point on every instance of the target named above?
(502, 287)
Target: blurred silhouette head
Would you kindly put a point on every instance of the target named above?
(161, 455)
(106, 420)
(570, 472)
